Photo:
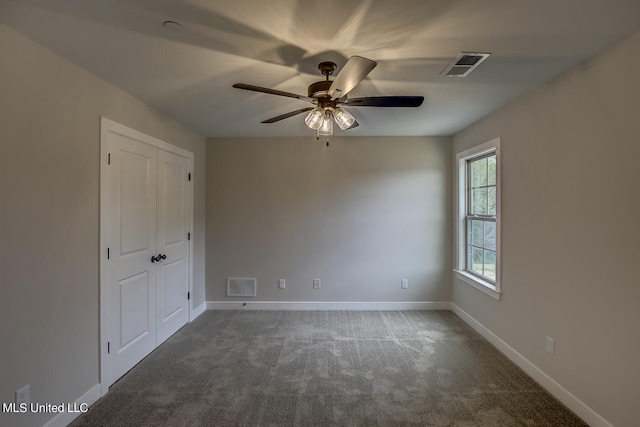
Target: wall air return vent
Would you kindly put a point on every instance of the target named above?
(241, 287)
(464, 63)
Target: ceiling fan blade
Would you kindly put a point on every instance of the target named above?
(385, 101)
(287, 115)
(356, 69)
(273, 92)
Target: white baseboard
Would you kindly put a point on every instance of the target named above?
(587, 414)
(322, 305)
(63, 419)
(198, 311)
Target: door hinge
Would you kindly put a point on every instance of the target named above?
(188, 236)
(108, 347)
(189, 176)
(109, 159)
(108, 254)
(188, 295)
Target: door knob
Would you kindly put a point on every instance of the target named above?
(158, 258)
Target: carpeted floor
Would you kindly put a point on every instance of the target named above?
(327, 368)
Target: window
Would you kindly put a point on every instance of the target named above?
(478, 217)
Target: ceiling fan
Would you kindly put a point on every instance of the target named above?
(329, 96)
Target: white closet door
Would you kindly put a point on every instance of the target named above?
(172, 242)
(132, 243)
(145, 216)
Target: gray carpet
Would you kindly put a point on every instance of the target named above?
(327, 368)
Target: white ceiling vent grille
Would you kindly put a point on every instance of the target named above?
(241, 287)
(464, 63)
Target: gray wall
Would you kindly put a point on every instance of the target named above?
(49, 222)
(360, 215)
(570, 209)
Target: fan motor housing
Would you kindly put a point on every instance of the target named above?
(319, 89)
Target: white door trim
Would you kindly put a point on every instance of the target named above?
(110, 127)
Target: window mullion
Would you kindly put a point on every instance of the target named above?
(468, 179)
(481, 217)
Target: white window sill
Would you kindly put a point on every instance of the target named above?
(479, 284)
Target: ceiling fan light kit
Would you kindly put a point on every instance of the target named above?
(326, 127)
(314, 118)
(320, 118)
(343, 118)
(327, 96)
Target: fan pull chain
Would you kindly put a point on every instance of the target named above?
(318, 138)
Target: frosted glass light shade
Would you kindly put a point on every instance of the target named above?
(314, 118)
(344, 119)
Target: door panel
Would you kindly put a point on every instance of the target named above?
(134, 309)
(173, 180)
(173, 291)
(173, 226)
(135, 197)
(132, 235)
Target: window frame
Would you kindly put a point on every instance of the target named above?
(483, 284)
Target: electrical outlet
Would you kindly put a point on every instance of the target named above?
(404, 283)
(281, 284)
(316, 283)
(23, 396)
(551, 345)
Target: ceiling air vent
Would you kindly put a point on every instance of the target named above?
(464, 63)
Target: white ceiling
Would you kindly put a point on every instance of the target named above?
(278, 44)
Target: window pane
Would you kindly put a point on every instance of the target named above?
(489, 235)
(492, 202)
(479, 201)
(476, 260)
(491, 164)
(490, 264)
(479, 172)
(476, 234)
